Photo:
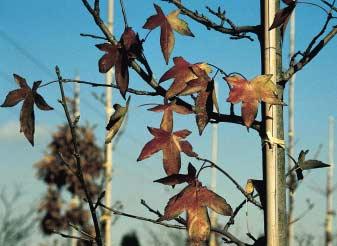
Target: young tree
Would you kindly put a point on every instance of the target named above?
(192, 92)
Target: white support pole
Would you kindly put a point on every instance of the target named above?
(108, 151)
(213, 239)
(329, 187)
(75, 202)
(273, 155)
(291, 135)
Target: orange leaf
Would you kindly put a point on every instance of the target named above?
(168, 109)
(250, 93)
(194, 200)
(182, 72)
(167, 24)
(171, 145)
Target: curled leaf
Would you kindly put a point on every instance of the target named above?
(116, 120)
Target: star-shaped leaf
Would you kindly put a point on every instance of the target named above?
(182, 72)
(171, 144)
(116, 120)
(282, 16)
(303, 164)
(175, 179)
(29, 97)
(167, 24)
(168, 109)
(250, 93)
(194, 200)
(119, 55)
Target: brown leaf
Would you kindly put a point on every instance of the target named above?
(122, 72)
(20, 81)
(282, 17)
(29, 97)
(168, 109)
(250, 93)
(167, 24)
(171, 145)
(108, 60)
(194, 200)
(14, 97)
(175, 179)
(119, 55)
(116, 120)
(27, 118)
(183, 72)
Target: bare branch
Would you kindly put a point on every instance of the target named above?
(238, 186)
(235, 31)
(94, 84)
(311, 51)
(92, 36)
(74, 237)
(183, 222)
(79, 171)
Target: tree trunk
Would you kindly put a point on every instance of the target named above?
(272, 119)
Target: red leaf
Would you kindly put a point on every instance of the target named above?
(171, 146)
(183, 72)
(167, 24)
(194, 200)
(108, 60)
(122, 72)
(250, 93)
(168, 109)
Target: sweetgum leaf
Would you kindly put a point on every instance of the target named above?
(282, 17)
(194, 200)
(14, 97)
(175, 179)
(250, 93)
(171, 145)
(168, 109)
(29, 97)
(116, 121)
(183, 72)
(119, 55)
(167, 24)
(27, 118)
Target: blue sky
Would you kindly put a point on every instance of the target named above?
(49, 32)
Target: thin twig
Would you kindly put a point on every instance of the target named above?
(79, 171)
(311, 51)
(238, 186)
(92, 36)
(124, 13)
(94, 84)
(238, 32)
(74, 237)
(81, 231)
